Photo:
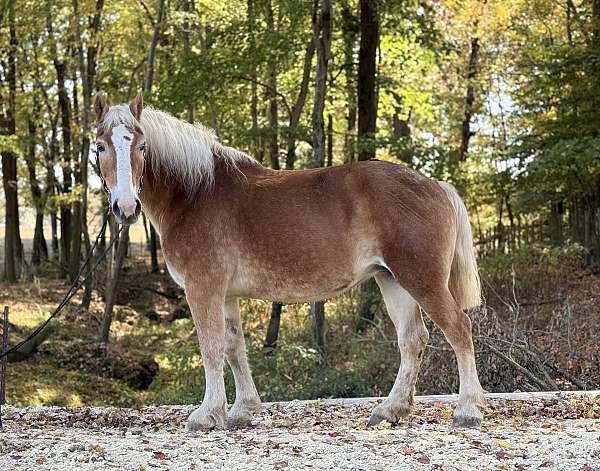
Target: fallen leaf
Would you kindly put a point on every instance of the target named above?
(159, 455)
(503, 443)
(280, 464)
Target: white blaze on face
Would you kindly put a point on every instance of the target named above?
(125, 191)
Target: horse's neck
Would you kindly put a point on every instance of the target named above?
(156, 196)
(162, 195)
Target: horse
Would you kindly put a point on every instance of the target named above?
(231, 227)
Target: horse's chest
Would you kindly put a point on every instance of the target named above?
(175, 274)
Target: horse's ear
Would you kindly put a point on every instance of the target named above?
(101, 106)
(136, 106)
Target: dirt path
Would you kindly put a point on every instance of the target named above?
(540, 432)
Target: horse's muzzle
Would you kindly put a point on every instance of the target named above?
(127, 212)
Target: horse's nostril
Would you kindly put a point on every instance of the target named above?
(138, 208)
(115, 209)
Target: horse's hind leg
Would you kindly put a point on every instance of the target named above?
(456, 326)
(247, 400)
(412, 339)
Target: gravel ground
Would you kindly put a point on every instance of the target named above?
(544, 432)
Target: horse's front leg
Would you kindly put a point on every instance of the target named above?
(207, 306)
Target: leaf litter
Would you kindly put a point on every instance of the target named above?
(562, 433)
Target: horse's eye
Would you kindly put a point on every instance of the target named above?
(100, 147)
(142, 147)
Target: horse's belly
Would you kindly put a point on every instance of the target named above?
(289, 285)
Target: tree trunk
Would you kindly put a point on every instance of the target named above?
(401, 129)
(257, 147)
(350, 34)
(273, 122)
(321, 24)
(188, 7)
(299, 106)
(65, 209)
(329, 140)
(273, 112)
(112, 282)
(13, 248)
(54, 230)
(39, 251)
(60, 67)
(147, 91)
(596, 24)
(87, 72)
(555, 222)
(367, 74)
(273, 329)
(40, 248)
(466, 132)
(276, 308)
(12, 237)
(317, 310)
(154, 267)
(153, 45)
(367, 128)
(322, 38)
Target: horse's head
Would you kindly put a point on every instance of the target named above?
(120, 147)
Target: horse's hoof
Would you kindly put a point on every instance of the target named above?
(238, 418)
(467, 415)
(234, 423)
(375, 419)
(203, 421)
(462, 421)
(391, 414)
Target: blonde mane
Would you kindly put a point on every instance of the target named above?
(185, 151)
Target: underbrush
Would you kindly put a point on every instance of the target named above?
(540, 312)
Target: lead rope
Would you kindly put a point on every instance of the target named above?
(75, 286)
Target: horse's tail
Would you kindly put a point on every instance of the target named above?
(464, 280)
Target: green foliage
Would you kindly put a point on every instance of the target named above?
(499, 268)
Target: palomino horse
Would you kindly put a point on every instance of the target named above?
(232, 228)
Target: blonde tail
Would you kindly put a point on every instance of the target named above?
(464, 281)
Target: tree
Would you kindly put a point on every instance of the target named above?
(322, 26)
(60, 66)
(367, 126)
(367, 75)
(13, 248)
(39, 250)
(273, 109)
(349, 25)
(292, 135)
(158, 25)
(87, 61)
(118, 255)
